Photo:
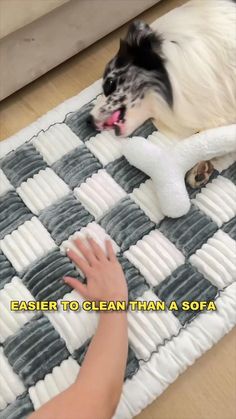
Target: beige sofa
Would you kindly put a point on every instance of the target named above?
(37, 35)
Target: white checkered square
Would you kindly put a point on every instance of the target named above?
(155, 256)
(75, 327)
(216, 259)
(106, 147)
(54, 383)
(10, 384)
(42, 190)
(99, 193)
(145, 196)
(218, 200)
(153, 326)
(5, 185)
(12, 321)
(26, 244)
(55, 142)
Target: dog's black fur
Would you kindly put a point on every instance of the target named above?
(141, 51)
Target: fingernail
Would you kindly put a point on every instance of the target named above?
(68, 250)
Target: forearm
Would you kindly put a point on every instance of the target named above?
(103, 369)
(97, 389)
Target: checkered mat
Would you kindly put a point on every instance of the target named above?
(61, 178)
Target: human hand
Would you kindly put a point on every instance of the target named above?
(105, 277)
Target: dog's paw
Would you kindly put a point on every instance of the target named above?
(199, 175)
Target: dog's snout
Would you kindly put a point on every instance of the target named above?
(91, 121)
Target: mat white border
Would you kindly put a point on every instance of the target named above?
(56, 115)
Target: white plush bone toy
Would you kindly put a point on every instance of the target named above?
(167, 165)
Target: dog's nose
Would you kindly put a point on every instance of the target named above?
(91, 121)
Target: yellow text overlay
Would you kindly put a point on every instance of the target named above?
(136, 305)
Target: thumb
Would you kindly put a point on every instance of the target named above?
(76, 284)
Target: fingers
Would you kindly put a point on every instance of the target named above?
(110, 252)
(86, 252)
(80, 262)
(92, 255)
(97, 250)
(76, 284)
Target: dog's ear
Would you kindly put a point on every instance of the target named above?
(140, 35)
(124, 55)
(140, 38)
(140, 47)
(124, 49)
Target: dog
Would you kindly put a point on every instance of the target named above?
(180, 72)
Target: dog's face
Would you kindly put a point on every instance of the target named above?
(130, 79)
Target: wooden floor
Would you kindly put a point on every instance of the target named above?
(207, 390)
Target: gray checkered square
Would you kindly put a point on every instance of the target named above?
(189, 232)
(230, 228)
(22, 164)
(126, 223)
(13, 213)
(64, 218)
(78, 165)
(127, 176)
(230, 173)
(44, 278)
(77, 122)
(136, 282)
(19, 409)
(39, 349)
(6, 271)
(185, 284)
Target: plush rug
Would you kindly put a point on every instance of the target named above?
(59, 177)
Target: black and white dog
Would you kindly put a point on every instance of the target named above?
(180, 72)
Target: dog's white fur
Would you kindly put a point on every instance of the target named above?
(199, 48)
(201, 63)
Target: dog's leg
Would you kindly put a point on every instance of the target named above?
(199, 175)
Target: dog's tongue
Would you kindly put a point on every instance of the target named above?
(113, 119)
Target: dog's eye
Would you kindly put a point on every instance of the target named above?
(109, 87)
